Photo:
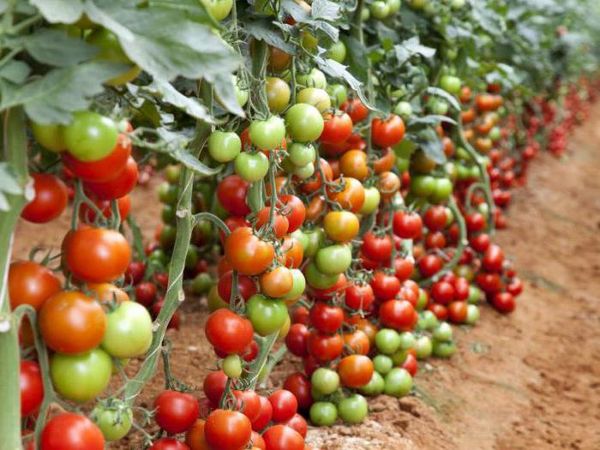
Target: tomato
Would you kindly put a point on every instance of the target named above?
(214, 386)
(377, 248)
(333, 259)
(71, 322)
(475, 222)
(246, 253)
(387, 132)
(326, 318)
(168, 444)
(246, 286)
(440, 311)
(114, 421)
(296, 340)
(224, 146)
(283, 437)
(407, 225)
(359, 296)
(96, 255)
(294, 210)
(337, 52)
(69, 431)
(323, 414)
(355, 370)
(398, 382)
(248, 402)
(398, 314)
(314, 96)
(443, 292)
(375, 386)
(90, 136)
(372, 200)
(385, 162)
(504, 302)
(278, 94)
(266, 315)
(49, 136)
(493, 259)
(128, 332)
(341, 226)
(338, 93)
(355, 109)
(480, 243)
(457, 312)
(301, 154)
(388, 184)
(218, 9)
(304, 122)
(337, 129)
(145, 293)
(429, 265)
(284, 405)
(264, 416)
(251, 167)
(277, 282)
(111, 50)
(385, 286)
(403, 268)
(298, 423)
(435, 218)
(81, 377)
(353, 409)
(280, 222)
(267, 134)
(176, 412)
(227, 430)
(88, 215)
(353, 163)
(348, 192)
(231, 193)
(325, 347)
(515, 287)
(450, 84)
(314, 183)
(228, 332)
(194, 437)
(299, 385)
(293, 251)
(31, 387)
(30, 283)
(50, 199)
(116, 187)
(319, 280)
(325, 381)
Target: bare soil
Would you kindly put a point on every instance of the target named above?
(530, 380)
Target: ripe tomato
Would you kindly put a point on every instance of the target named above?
(70, 431)
(294, 210)
(403, 268)
(104, 169)
(299, 385)
(359, 296)
(246, 253)
(457, 312)
(385, 286)
(280, 222)
(357, 342)
(176, 412)
(493, 259)
(504, 302)
(326, 318)
(443, 292)
(214, 386)
(325, 347)
(71, 322)
(227, 430)
(435, 218)
(293, 251)
(228, 332)
(349, 193)
(387, 132)
(296, 340)
(341, 226)
(168, 444)
(283, 437)
(355, 370)
(337, 129)
(377, 248)
(353, 163)
(355, 109)
(51, 197)
(314, 183)
(264, 416)
(385, 162)
(248, 403)
(31, 387)
(246, 286)
(284, 405)
(194, 437)
(30, 283)
(231, 193)
(407, 225)
(298, 423)
(116, 187)
(96, 255)
(398, 314)
(277, 282)
(429, 265)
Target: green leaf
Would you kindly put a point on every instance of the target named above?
(261, 30)
(59, 11)
(429, 120)
(3, 6)
(165, 42)
(451, 99)
(322, 13)
(336, 70)
(15, 72)
(431, 144)
(176, 144)
(356, 57)
(225, 93)
(57, 48)
(411, 47)
(325, 10)
(8, 185)
(168, 94)
(52, 98)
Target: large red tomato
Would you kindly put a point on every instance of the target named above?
(116, 187)
(227, 430)
(70, 431)
(247, 253)
(228, 332)
(51, 197)
(31, 283)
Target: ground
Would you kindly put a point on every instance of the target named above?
(530, 380)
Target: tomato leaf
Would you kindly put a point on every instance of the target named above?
(411, 47)
(8, 185)
(52, 98)
(15, 72)
(57, 48)
(260, 29)
(445, 95)
(431, 144)
(336, 70)
(165, 42)
(321, 14)
(175, 146)
(225, 93)
(59, 11)
(168, 94)
(429, 120)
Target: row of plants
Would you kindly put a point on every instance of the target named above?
(335, 173)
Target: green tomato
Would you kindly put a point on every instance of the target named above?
(128, 331)
(462, 172)
(394, 6)
(90, 136)
(191, 257)
(304, 172)
(402, 164)
(301, 237)
(387, 341)
(323, 414)
(173, 173)
(298, 286)
(407, 340)
(379, 9)
(375, 386)
(241, 94)
(315, 239)
(218, 9)
(372, 199)
(304, 122)
(495, 134)
(457, 4)
(317, 279)
(353, 409)
(319, 98)
(399, 357)
(398, 383)
(474, 295)
(167, 193)
(437, 106)
(82, 377)
(309, 41)
(114, 421)
(422, 185)
(325, 381)
(202, 283)
(424, 347)
(450, 84)
(333, 259)
(278, 94)
(267, 315)
(418, 4)
(337, 52)
(224, 146)
(111, 50)
(443, 349)
(472, 314)
(168, 214)
(267, 134)
(337, 93)
(404, 110)
(315, 78)
(442, 191)
(251, 167)
(422, 300)
(158, 257)
(167, 236)
(301, 154)
(49, 136)
(383, 364)
(443, 332)
(232, 366)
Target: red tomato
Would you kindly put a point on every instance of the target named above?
(326, 318)
(299, 385)
(411, 364)
(117, 187)
(168, 444)
(30, 283)
(284, 405)
(296, 340)
(228, 332)
(493, 259)
(504, 302)
(248, 254)
(387, 132)
(404, 268)
(440, 311)
(442, 292)
(480, 243)
(176, 411)
(457, 312)
(87, 214)
(385, 286)
(295, 211)
(283, 437)
(429, 265)
(359, 297)
(398, 314)
(355, 109)
(227, 430)
(31, 387)
(407, 225)
(246, 286)
(70, 431)
(248, 403)
(298, 423)
(355, 370)
(280, 222)
(377, 248)
(231, 193)
(51, 197)
(325, 347)
(264, 415)
(337, 129)
(214, 386)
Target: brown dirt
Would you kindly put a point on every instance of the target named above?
(530, 380)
